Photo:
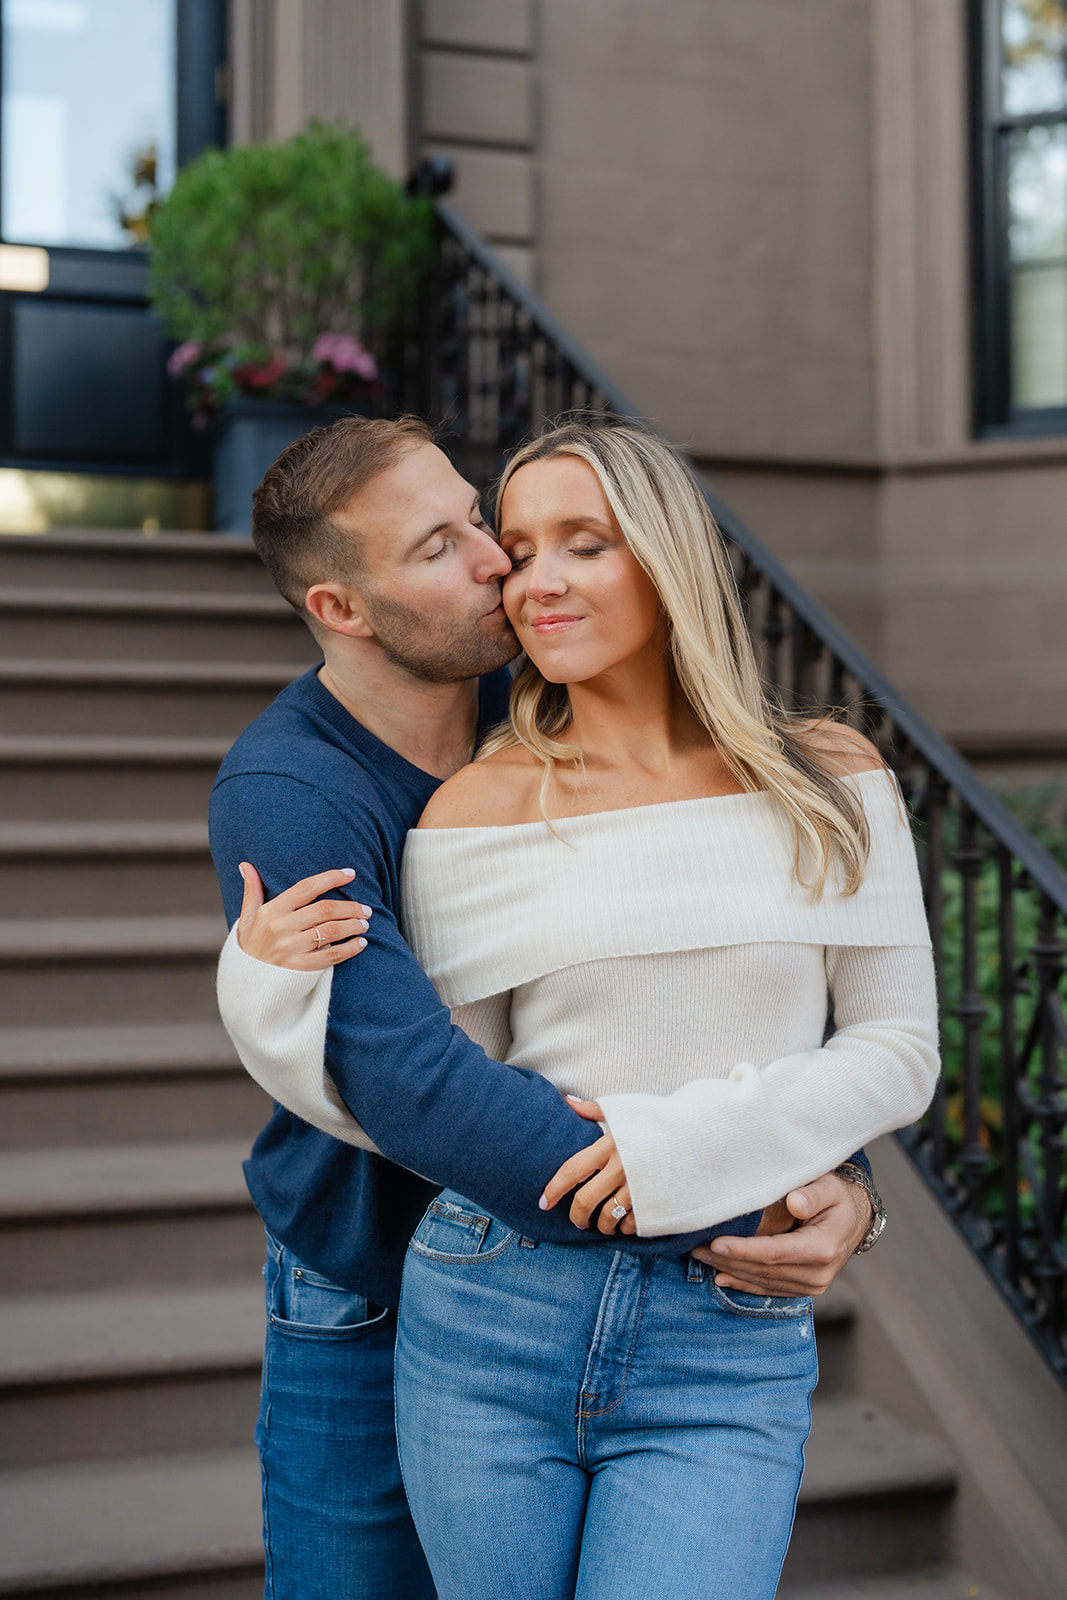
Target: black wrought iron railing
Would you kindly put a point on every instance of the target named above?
(489, 365)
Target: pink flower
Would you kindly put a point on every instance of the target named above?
(183, 356)
(345, 354)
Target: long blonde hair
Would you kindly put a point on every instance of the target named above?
(668, 527)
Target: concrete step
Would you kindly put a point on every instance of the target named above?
(129, 1372)
(108, 559)
(185, 1525)
(136, 697)
(106, 868)
(875, 1500)
(930, 1583)
(56, 623)
(140, 969)
(111, 1083)
(135, 1214)
(107, 777)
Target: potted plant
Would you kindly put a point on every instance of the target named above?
(279, 269)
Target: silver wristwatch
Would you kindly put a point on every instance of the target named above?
(849, 1172)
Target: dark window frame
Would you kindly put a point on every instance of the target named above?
(994, 414)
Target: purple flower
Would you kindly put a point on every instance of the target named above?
(183, 356)
(345, 354)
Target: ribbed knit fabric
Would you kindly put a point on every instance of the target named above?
(664, 961)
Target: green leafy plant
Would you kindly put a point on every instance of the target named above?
(275, 265)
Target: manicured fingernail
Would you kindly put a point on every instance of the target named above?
(543, 1202)
(574, 1099)
(347, 872)
(241, 870)
(366, 910)
(361, 944)
(718, 1249)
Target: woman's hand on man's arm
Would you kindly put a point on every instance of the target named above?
(799, 1248)
(297, 929)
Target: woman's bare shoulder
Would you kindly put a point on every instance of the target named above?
(494, 793)
(840, 749)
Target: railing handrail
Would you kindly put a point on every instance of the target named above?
(1041, 866)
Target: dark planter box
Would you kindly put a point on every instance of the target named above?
(252, 434)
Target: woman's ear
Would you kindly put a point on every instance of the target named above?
(339, 609)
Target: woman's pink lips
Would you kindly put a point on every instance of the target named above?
(553, 624)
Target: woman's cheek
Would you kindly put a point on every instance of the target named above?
(511, 595)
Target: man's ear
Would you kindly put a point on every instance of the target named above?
(339, 609)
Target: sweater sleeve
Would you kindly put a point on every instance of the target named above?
(276, 1018)
(719, 1146)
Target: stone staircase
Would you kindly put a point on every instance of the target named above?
(131, 1316)
(130, 1306)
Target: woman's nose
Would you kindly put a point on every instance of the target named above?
(544, 578)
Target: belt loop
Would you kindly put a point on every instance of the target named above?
(696, 1271)
(527, 1244)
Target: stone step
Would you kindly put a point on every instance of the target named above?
(108, 559)
(142, 969)
(107, 777)
(81, 697)
(929, 1583)
(185, 1525)
(110, 1083)
(104, 1216)
(64, 1528)
(106, 868)
(128, 1372)
(56, 623)
(876, 1498)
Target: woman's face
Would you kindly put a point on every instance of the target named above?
(577, 598)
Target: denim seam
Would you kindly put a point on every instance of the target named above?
(627, 1366)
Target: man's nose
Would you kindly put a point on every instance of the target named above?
(492, 562)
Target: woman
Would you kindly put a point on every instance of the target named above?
(648, 863)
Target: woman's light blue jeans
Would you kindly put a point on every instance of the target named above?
(590, 1423)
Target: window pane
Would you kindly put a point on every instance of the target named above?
(1034, 34)
(88, 92)
(1038, 202)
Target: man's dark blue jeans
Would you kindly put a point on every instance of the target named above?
(336, 1524)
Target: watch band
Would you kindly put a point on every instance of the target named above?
(849, 1172)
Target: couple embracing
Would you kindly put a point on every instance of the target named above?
(559, 1046)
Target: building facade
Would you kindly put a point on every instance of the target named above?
(822, 246)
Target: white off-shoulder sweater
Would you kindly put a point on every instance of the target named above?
(664, 961)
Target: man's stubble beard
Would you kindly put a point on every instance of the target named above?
(437, 654)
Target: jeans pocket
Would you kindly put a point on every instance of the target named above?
(452, 1230)
(304, 1302)
(761, 1305)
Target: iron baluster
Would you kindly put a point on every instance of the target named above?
(1009, 1069)
(971, 1011)
(1049, 1268)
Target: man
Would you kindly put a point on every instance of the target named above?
(378, 542)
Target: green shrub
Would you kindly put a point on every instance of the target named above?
(263, 248)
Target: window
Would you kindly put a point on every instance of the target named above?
(102, 100)
(88, 107)
(1021, 201)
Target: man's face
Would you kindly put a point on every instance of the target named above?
(431, 570)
